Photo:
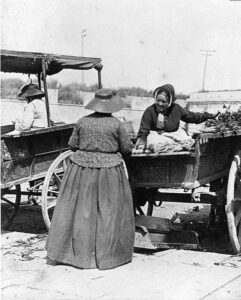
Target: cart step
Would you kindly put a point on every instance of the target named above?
(157, 233)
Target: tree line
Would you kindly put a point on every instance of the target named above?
(70, 93)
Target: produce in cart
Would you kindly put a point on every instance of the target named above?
(227, 121)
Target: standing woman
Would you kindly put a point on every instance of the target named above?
(93, 221)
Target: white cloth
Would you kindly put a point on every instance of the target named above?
(34, 115)
(169, 141)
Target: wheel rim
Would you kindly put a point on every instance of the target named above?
(233, 207)
(51, 185)
(125, 169)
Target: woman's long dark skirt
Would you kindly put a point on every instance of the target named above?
(93, 221)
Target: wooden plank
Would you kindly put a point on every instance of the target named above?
(217, 135)
(174, 191)
(22, 180)
(170, 153)
(205, 180)
(153, 224)
(157, 233)
(35, 131)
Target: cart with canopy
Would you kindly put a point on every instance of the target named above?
(26, 157)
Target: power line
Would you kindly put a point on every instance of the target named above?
(83, 35)
(207, 53)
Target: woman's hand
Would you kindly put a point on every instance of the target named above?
(136, 151)
(139, 147)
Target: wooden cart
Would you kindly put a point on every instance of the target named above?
(26, 157)
(34, 157)
(215, 160)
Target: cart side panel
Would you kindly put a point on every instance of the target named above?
(215, 157)
(15, 159)
(187, 174)
(46, 147)
(29, 156)
(161, 171)
(236, 143)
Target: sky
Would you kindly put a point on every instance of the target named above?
(144, 43)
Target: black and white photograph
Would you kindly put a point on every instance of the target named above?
(120, 149)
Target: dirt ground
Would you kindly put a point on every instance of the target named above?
(190, 216)
(211, 272)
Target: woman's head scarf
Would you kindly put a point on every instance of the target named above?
(170, 91)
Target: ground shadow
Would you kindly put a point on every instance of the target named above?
(28, 219)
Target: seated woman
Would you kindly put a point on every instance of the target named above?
(165, 115)
(34, 114)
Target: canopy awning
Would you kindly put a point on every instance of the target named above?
(31, 62)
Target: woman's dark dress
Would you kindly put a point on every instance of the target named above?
(93, 221)
(174, 114)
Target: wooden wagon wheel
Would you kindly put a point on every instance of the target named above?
(233, 207)
(51, 185)
(16, 204)
(125, 169)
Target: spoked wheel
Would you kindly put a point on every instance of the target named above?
(7, 218)
(51, 185)
(233, 207)
(150, 206)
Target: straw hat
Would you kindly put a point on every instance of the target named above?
(105, 101)
(30, 90)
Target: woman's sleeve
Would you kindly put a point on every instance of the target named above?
(194, 117)
(145, 126)
(27, 118)
(74, 139)
(125, 143)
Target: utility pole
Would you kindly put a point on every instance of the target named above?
(83, 35)
(207, 53)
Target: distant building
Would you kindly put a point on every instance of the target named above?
(212, 101)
